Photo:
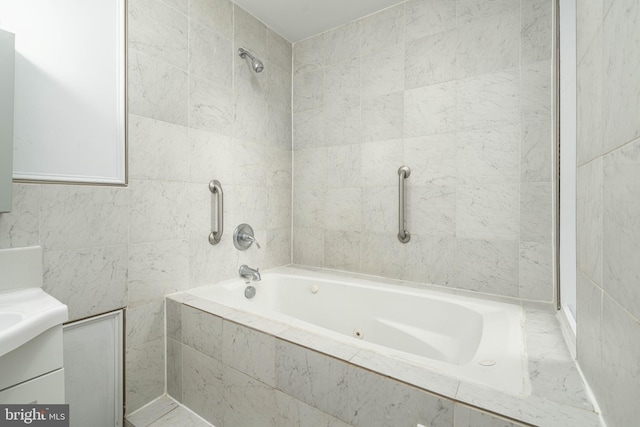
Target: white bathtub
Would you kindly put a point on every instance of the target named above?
(471, 339)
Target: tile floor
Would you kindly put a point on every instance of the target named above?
(164, 412)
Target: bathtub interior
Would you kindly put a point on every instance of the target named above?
(470, 339)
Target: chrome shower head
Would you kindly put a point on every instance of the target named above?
(256, 64)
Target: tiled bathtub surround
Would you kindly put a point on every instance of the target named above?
(234, 368)
(196, 113)
(460, 91)
(608, 205)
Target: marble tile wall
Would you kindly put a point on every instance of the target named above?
(246, 377)
(460, 91)
(608, 208)
(196, 112)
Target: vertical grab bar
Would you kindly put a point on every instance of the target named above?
(403, 173)
(216, 188)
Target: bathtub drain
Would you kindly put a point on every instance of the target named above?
(358, 333)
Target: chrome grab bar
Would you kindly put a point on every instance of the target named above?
(403, 173)
(216, 188)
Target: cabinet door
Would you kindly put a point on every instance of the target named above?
(93, 370)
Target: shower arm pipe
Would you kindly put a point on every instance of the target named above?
(403, 174)
(216, 189)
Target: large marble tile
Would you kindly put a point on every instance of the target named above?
(426, 17)
(158, 31)
(489, 155)
(210, 55)
(153, 411)
(430, 259)
(527, 410)
(173, 316)
(382, 254)
(382, 72)
(202, 331)
(278, 128)
(279, 52)
(343, 121)
(536, 152)
(157, 89)
(488, 266)
(406, 372)
(382, 117)
(343, 209)
(621, 233)
(182, 417)
(432, 159)
(536, 94)
(278, 208)
(490, 211)
(308, 128)
(309, 207)
(589, 331)
(342, 250)
(376, 400)
(379, 163)
(144, 371)
(382, 29)
(537, 30)
(308, 246)
(211, 156)
(210, 106)
(278, 90)
(378, 213)
(343, 166)
(174, 369)
(249, 32)
(156, 269)
(313, 378)
(466, 416)
(247, 401)
(589, 17)
(488, 44)
(307, 90)
(430, 59)
(215, 14)
(342, 82)
(279, 168)
(430, 209)
(89, 281)
(309, 53)
(430, 110)
(621, 88)
(311, 167)
(536, 271)
(589, 219)
(79, 216)
(144, 323)
(590, 106)
(250, 352)
(536, 212)
(157, 211)
(620, 349)
(489, 101)
(468, 11)
(278, 247)
(342, 43)
(202, 385)
(294, 413)
(21, 226)
(157, 150)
